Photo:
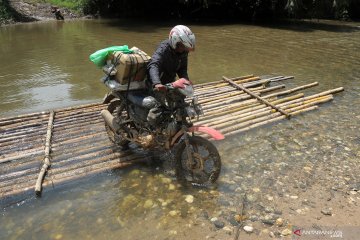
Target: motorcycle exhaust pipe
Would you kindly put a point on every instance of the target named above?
(110, 120)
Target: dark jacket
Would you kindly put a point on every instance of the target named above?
(166, 63)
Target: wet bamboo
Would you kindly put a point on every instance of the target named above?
(74, 120)
(80, 142)
(94, 161)
(22, 136)
(102, 154)
(22, 116)
(328, 92)
(236, 100)
(20, 129)
(293, 90)
(98, 147)
(90, 125)
(256, 120)
(230, 95)
(69, 109)
(61, 138)
(47, 163)
(283, 102)
(21, 122)
(66, 134)
(16, 149)
(228, 88)
(78, 115)
(253, 110)
(219, 85)
(271, 120)
(222, 93)
(17, 177)
(78, 139)
(21, 165)
(230, 100)
(242, 97)
(199, 85)
(68, 176)
(239, 86)
(80, 112)
(15, 156)
(214, 83)
(93, 126)
(267, 110)
(282, 79)
(250, 103)
(239, 106)
(23, 147)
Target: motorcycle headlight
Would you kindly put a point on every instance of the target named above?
(188, 91)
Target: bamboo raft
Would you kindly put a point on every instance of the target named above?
(45, 149)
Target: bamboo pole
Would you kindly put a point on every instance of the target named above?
(47, 163)
(199, 85)
(270, 120)
(224, 84)
(236, 126)
(15, 156)
(5, 120)
(237, 107)
(243, 98)
(282, 79)
(293, 90)
(239, 86)
(267, 110)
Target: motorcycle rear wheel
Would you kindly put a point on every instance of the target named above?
(206, 166)
(115, 109)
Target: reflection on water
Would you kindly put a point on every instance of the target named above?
(46, 66)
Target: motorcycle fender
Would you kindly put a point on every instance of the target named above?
(215, 134)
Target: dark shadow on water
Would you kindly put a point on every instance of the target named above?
(151, 25)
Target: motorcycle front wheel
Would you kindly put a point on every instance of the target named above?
(205, 166)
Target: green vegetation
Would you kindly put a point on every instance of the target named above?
(6, 14)
(205, 9)
(74, 5)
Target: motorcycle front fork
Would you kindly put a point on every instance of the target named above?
(189, 151)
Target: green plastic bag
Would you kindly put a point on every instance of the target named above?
(99, 57)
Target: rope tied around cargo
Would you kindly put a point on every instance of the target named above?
(138, 69)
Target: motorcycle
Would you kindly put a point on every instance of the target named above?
(197, 160)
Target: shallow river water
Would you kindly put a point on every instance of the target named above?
(281, 171)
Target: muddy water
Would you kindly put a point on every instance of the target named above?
(286, 170)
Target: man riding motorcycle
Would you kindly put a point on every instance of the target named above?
(170, 59)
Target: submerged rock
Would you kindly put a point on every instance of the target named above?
(189, 198)
(279, 222)
(148, 203)
(286, 232)
(219, 224)
(326, 211)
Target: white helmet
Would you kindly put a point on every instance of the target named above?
(182, 34)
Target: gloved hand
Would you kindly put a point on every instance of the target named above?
(185, 80)
(159, 87)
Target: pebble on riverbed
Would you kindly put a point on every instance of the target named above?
(248, 229)
(326, 211)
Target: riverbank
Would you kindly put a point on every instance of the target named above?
(16, 11)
